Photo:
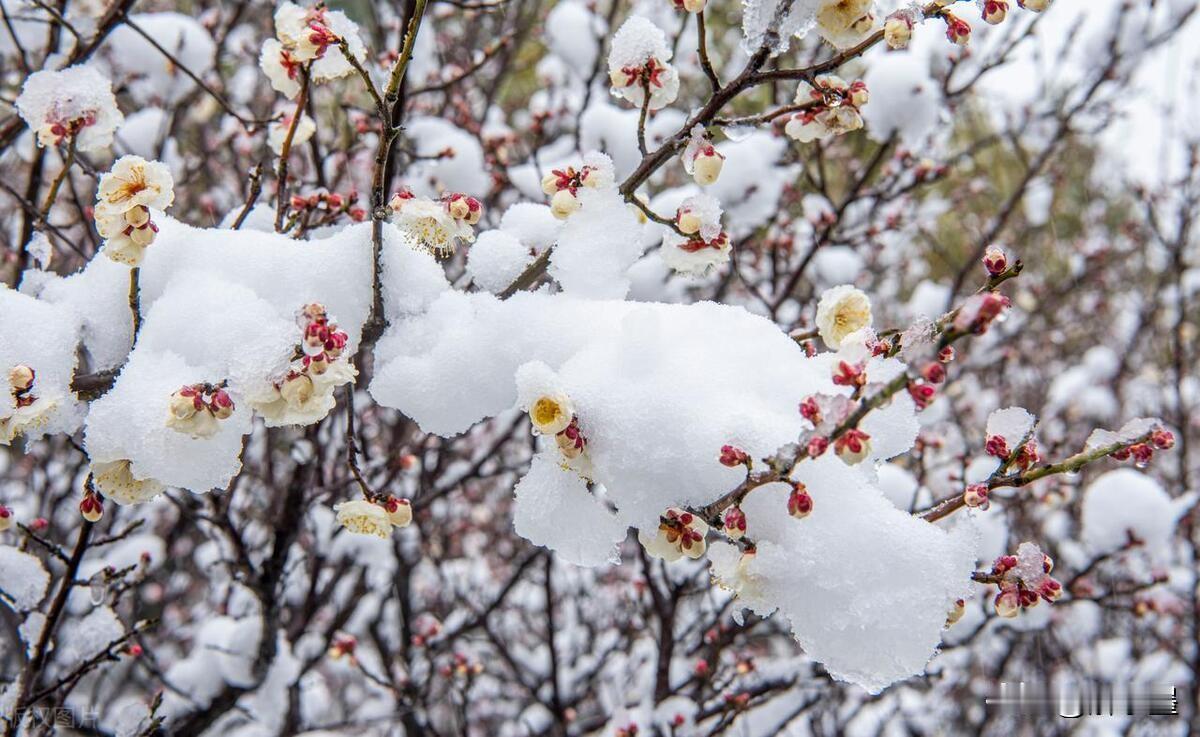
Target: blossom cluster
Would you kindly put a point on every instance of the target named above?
(124, 199)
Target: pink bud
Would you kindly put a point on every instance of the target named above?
(934, 373)
(995, 260)
(733, 457)
(976, 496)
(817, 446)
(996, 446)
(810, 411)
(800, 503)
(1162, 439)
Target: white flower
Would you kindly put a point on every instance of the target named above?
(551, 413)
(75, 103)
(27, 418)
(333, 65)
(281, 68)
(430, 223)
(277, 132)
(302, 399)
(638, 60)
(844, 23)
(841, 311)
(133, 182)
(116, 481)
(364, 518)
(399, 511)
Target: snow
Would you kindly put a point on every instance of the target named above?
(23, 578)
(1125, 501)
(554, 509)
(496, 259)
(637, 41)
(758, 16)
(597, 246)
(462, 170)
(41, 336)
(532, 224)
(834, 574)
(149, 75)
(1012, 424)
(905, 99)
(573, 33)
(81, 639)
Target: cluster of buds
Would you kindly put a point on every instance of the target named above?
(979, 311)
(554, 415)
(322, 343)
(1026, 457)
(732, 456)
(323, 208)
(853, 446)
(196, 409)
(832, 108)
(800, 502)
(734, 523)
(91, 506)
(123, 201)
(995, 260)
(680, 533)
(1142, 453)
(1023, 579)
(462, 667)
(343, 646)
(958, 31)
(562, 186)
(437, 225)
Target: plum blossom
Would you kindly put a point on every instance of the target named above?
(364, 517)
(305, 394)
(832, 108)
(433, 224)
(680, 533)
(31, 409)
(124, 200)
(842, 310)
(75, 104)
(306, 36)
(844, 23)
(281, 67)
(197, 410)
(115, 480)
(637, 63)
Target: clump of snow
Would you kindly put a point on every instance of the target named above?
(905, 99)
(1012, 424)
(637, 41)
(554, 508)
(23, 578)
(1129, 432)
(597, 246)
(762, 24)
(460, 169)
(79, 640)
(532, 224)
(147, 73)
(1124, 504)
(837, 574)
(495, 259)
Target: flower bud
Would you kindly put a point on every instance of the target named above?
(458, 208)
(221, 405)
(1050, 589)
(1007, 602)
(934, 373)
(946, 354)
(400, 199)
(316, 365)
(1162, 439)
(91, 508)
(563, 204)
(817, 446)
(995, 260)
(897, 32)
(996, 446)
(6, 518)
(183, 403)
(976, 496)
(733, 457)
(399, 511)
(735, 523)
(550, 183)
(811, 411)
(800, 503)
(853, 446)
(20, 377)
(922, 394)
(706, 167)
(994, 11)
(859, 95)
(688, 221)
(137, 216)
(694, 6)
(960, 608)
(1036, 6)
(143, 235)
(958, 31)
